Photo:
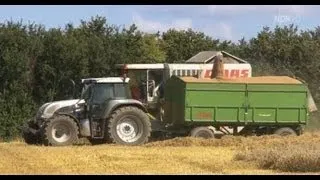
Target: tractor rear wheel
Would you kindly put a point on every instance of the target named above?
(129, 126)
(203, 132)
(61, 130)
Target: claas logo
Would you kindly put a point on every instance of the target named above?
(230, 73)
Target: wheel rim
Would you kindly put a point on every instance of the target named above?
(285, 134)
(128, 129)
(61, 133)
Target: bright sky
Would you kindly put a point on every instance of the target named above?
(229, 22)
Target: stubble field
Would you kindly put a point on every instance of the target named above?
(229, 155)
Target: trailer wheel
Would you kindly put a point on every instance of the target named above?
(203, 132)
(285, 131)
(129, 126)
(61, 130)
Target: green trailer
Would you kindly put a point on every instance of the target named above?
(256, 105)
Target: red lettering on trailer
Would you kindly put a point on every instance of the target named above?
(207, 73)
(230, 73)
(245, 73)
(234, 73)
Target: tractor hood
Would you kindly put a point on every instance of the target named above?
(48, 109)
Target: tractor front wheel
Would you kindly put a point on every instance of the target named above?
(61, 130)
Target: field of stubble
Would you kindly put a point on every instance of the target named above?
(229, 155)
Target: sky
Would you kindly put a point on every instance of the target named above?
(226, 22)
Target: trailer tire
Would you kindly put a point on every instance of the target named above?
(129, 126)
(285, 131)
(203, 132)
(62, 123)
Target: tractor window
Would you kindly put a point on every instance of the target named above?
(156, 75)
(102, 92)
(121, 90)
(136, 86)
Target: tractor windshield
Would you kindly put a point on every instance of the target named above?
(105, 91)
(102, 92)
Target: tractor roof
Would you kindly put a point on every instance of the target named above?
(106, 80)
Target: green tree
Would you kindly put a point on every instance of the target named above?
(182, 45)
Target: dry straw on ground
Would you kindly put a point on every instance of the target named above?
(228, 155)
(295, 154)
(289, 154)
(292, 158)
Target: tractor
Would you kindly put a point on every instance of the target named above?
(105, 112)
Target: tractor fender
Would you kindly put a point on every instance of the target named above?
(71, 116)
(68, 111)
(117, 103)
(84, 124)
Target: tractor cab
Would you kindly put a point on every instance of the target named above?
(99, 92)
(146, 82)
(100, 89)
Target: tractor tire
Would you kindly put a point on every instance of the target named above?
(285, 131)
(61, 130)
(129, 126)
(203, 132)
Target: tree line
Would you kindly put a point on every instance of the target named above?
(35, 61)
